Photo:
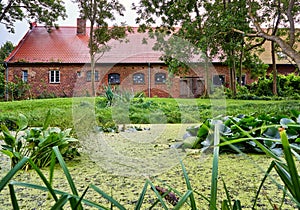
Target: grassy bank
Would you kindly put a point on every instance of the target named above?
(145, 110)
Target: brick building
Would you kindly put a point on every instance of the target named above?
(58, 63)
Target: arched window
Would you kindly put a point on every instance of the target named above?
(160, 78)
(114, 79)
(138, 78)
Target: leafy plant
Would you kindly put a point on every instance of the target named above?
(36, 143)
(236, 130)
(286, 169)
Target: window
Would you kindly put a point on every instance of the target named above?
(138, 78)
(24, 75)
(160, 78)
(114, 79)
(96, 75)
(89, 76)
(54, 76)
(243, 80)
(78, 74)
(218, 80)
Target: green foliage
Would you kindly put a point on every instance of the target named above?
(286, 169)
(288, 86)
(236, 129)
(46, 12)
(5, 50)
(36, 143)
(18, 89)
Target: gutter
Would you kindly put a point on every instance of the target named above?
(6, 80)
(149, 79)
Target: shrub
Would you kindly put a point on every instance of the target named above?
(36, 143)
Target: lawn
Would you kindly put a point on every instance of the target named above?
(148, 110)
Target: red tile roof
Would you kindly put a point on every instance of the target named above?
(63, 45)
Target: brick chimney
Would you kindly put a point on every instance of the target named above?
(81, 26)
(32, 25)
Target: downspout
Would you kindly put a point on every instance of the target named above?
(6, 78)
(149, 80)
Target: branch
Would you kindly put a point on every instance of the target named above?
(243, 33)
(291, 21)
(6, 9)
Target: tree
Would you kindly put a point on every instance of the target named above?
(230, 46)
(205, 24)
(287, 13)
(46, 12)
(98, 13)
(5, 50)
(173, 13)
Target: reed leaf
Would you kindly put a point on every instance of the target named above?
(227, 194)
(59, 192)
(237, 205)
(291, 165)
(61, 202)
(81, 198)
(183, 200)
(272, 165)
(48, 185)
(65, 169)
(12, 172)
(215, 169)
(158, 195)
(188, 185)
(107, 197)
(13, 197)
(224, 205)
(142, 196)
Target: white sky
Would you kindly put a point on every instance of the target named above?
(21, 27)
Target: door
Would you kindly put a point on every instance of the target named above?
(191, 87)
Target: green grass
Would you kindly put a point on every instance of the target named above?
(144, 111)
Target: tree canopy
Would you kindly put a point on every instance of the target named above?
(99, 13)
(231, 29)
(267, 16)
(46, 12)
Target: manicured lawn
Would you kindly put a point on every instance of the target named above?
(146, 110)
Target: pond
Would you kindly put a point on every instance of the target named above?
(119, 164)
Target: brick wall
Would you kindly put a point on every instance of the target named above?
(73, 78)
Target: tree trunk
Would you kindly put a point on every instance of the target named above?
(232, 70)
(207, 78)
(241, 66)
(274, 69)
(92, 57)
(234, 79)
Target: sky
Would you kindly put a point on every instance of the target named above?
(21, 27)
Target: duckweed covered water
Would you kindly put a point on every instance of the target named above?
(242, 175)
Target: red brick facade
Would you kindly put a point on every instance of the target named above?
(73, 79)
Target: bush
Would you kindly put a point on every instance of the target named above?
(36, 143)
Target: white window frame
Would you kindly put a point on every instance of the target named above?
(56, 76)
(25, 75)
